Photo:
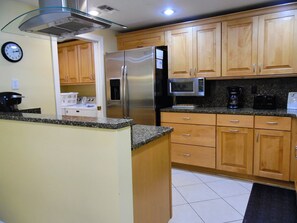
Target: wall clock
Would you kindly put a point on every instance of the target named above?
(12, 52)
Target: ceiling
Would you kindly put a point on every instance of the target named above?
(137, 14)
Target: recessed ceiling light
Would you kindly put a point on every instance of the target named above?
(94, 13)
(168, 12)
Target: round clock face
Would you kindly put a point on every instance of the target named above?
(12, 52)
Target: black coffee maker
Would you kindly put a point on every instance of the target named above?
(9, 101)
(235, 97)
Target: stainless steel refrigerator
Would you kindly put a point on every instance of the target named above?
(136, 84)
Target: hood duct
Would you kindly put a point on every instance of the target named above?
(63, 19)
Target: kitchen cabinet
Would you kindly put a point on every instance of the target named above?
(193, 138)
(235, 143)
(239, 47)
(151, 171)
(179, 44)
(277, 44)
(260, 45)
(76, 63)
(194, 51)
(272, 145)
(138, 40)
(68, 65)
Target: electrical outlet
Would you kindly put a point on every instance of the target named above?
(15, 84)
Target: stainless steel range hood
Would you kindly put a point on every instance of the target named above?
(61, 18)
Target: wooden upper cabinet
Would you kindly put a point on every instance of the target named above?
(207, 50)
(239, 47)
(76, 63)
(86, 63)
(278, 43)
(141, 40)
(72, 64)
(62, 55)
(179, 44)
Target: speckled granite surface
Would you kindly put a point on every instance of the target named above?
(143, 134)
(241, 111)
(106, 123)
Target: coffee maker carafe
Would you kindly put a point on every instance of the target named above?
(234, 97)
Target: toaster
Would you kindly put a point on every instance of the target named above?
(292, 100)
(264, 102)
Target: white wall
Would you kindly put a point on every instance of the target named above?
(34, 71)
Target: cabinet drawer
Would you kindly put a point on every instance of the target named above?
(188, 118)
(193, 155)
(192, 134)
(235, 120)
(273, 122)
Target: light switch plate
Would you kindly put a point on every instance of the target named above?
(15, 84)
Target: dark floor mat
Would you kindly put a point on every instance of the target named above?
(269, 204)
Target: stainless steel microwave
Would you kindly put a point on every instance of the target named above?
(186, 86)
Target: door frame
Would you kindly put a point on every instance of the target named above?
(98, 48)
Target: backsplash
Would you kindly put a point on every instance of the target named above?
(217, 96)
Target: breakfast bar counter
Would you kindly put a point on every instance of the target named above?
(79, 169)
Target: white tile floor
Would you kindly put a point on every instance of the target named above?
(203, 198)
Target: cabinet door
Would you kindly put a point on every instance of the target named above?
(239, 47)
(272, 154)
(72, 64)
(179, 53)
(235, 149)
(86, 63)
(277, 43)
(207, 50)
(141, 40)
(62, 55)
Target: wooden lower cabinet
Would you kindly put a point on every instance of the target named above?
(235, 149)
(193, 155)
(272, 154)
(151, 172)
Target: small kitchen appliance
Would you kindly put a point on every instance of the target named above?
(292, 100)
(235, 94)
(186, 86)
(264, 102)
(9, 101)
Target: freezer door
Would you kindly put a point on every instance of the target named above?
(140, 73)
(114, 68)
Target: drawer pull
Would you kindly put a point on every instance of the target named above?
(233, 130)
(186, 135)
(271, 123)
(187, 155)
(234, 121)
(186, 118)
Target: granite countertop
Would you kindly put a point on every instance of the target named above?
(241, 111)
(143, 134)
(106, 123)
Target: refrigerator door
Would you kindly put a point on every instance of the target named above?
(140, 73)
(114, 69)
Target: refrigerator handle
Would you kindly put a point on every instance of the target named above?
(123, 90)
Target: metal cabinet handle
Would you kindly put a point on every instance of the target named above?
(186, 155)
(257, 140)
(186, 118)
(233, 130)
(296, 152)
(186, 135)
(234, 121)
(260, 68)
(191, 71)
(271, 123)
(254, 68)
